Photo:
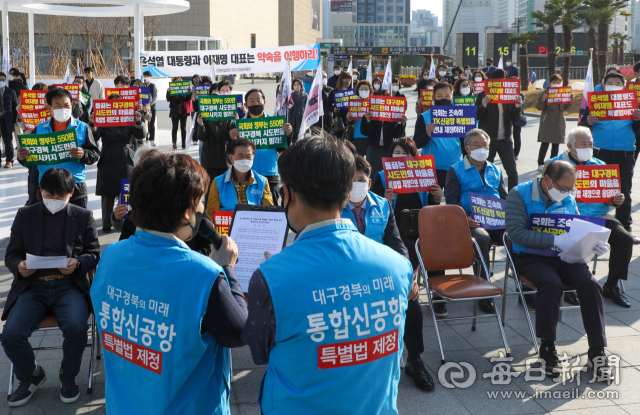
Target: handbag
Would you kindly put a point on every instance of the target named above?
(409, 224)
(338, 125)
(188, 106)
(521, 122)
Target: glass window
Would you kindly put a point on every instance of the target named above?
(370, 9)
(399, 19)
(177, 45)
(214, 44)
(162, 45)
(400, 9)
(370, 19)
(389, 19)
(380, 9)
(360, 19)
(389, 9)
(379, 19)
(361, 9)
(203, 45)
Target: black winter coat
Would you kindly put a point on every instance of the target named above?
(116, 158)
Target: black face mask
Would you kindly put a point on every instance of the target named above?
(442, 102)
(346, 84)
(256, 110)
(196, 81)
(196, 228)
(286, 208)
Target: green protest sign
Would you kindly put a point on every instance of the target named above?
(464, 100)
(265, 133)
(217, 107)
(84, 98)
(51, 148)
(179, 88)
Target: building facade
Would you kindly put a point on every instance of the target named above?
(473, 16)
(424, 29)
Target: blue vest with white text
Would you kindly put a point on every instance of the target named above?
(376, 218)
(265, 161)
(150, 295)
(356, 130)
(446, 150)
(339, 329)
(530, 194)
(424, 196)
(470, 181)
(76, 168)
(229, 196)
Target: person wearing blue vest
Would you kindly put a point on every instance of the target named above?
(167, 346)
(553, 195)
(239, 184)
(266, 160)
(615, 143)
(60, 103)
(307, 304)
(360, 140)
(580, 153)
(474, 174)
(446, 150)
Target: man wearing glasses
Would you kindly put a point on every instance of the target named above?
(553, 194)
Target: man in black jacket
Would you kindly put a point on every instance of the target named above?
(497, 121)
(332, 82)
(8, 118)
(153, 92)
(15, 81)
(52, 228)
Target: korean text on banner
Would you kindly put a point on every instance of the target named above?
(179, 88)
(74, 89)
(85, 98)
(202, 89)
(613, 105)
(410, 174)
(464, 100)
(125, 93)
(634, 86)
(31, 119)
(49, 149)
(341, 98)
(387, 108)
(426, 95)
(453, 121)
(114, 112)
(32, 100)
(559, 95)
(265, 132)
(357, 108)
(145, 94)
(222, 221)
(487, 210)
(503, 91)
(478, 87)
(597, 184)
(555, 224)
(217, 107)
(124, 191)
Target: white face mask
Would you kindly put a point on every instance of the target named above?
(324, 81)
(243, 166)
(442, 73)
(62, 114)
(395, 88)
(376, 86)
(613, 88)
(54, 205)
(508, 63)
(9, 77)
(336, 73)
(296, 88)
(556, 194)
(364, 94)
(426, 76)
(584, 154)
(355, 78)
(478, 79)
(479, 154)
(359, 192)
(465, 91)
(429, 87)
(398, 155)
(555, 85)
(309, 73)
(146, 80)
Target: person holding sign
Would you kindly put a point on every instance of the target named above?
(9, 113)
(94, 87)
(291, 297)
(615, 143)
(296, 113)
(580, 153)
(59, 103)
(239, 184)
(360, 140)
(80, 110)
(178, 114)
(345, 82)
(553, 195)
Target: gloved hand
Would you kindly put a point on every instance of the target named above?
(562, 241)
(601, 248)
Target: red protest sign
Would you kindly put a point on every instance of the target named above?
(73, 88)
(222, 221)
(634, 86)
(503, 91)
(31, 119)
(32, 100)
(125, 93)
(357, 108)
(410, 174)
(559, 95)
(387, 108)
(426, 95)
(613, 105)
(114, 112)
(597, 184)
(478, 87)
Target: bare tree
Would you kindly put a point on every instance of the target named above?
(60, 44)
(152, 26)
(94, 30)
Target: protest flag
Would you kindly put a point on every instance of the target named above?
(350, 68)
(432, 69)
(386, 82)
(588, 88)
(313, 110)
(500, 66)
(212, 72)
(369, 72)
(284, 99)
(67, 74)
(78, 67)
(5, 60)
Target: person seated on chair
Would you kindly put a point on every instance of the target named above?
(474, 174)
(553, 195)
(240, 184)
(51, 228)
(580, 153)
(374, 219)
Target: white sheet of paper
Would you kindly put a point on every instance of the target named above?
(582, 251)
(256, 232)
(46, 262)
(580, 229)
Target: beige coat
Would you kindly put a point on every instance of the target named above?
(552, 122)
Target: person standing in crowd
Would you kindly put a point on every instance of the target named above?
(611, 69)
(445, 150)
(296, 112)
(153, 97)
(195, 80)
(194, 336)
(478, 76)
(360, 140)
(332, 82)
(443, 75)
(377, 87)
(395, 88)
(51, 228)
(145, 112)
(327, 103)
(467, 72)
(511, 70)
(553, 195)
(317, 175)
(456, 73)
(59, 105)
(497, 121)
(266, 160)
(517, 129)
(80, 110)
(8, 119)
(178, 115)
(580, 153)
(422, 83)
(489, 68)
(94, 87)
(116, 162)
(615, 143)
(462, 88)
(239, 184)
(307, 81)
(32, 180)
(552, 122)
(15, 81)
(474, 174)
(344, 82)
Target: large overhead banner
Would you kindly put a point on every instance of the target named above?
(233, 61)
